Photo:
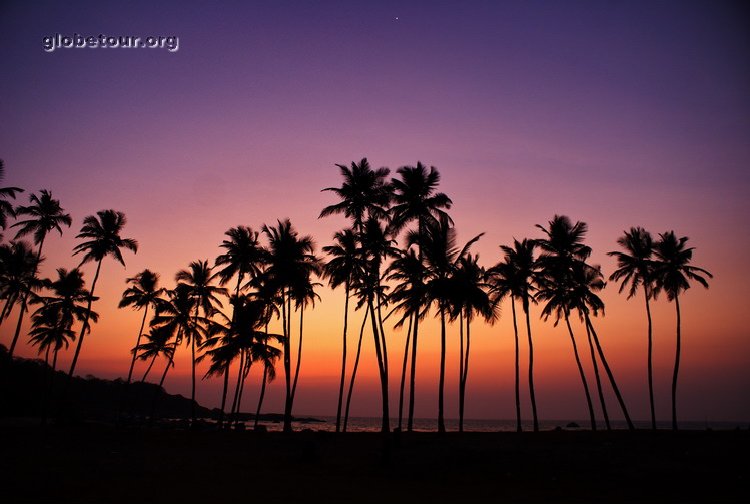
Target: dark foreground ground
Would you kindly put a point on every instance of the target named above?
(93, 463)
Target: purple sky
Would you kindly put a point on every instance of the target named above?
(617, 113)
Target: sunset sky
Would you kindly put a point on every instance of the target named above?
(615, 113)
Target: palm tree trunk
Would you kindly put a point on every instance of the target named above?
(382, 334)
(403, 375)
(441, 384)
(385, 424)
(161, 384)
(287, 365)
(609, 373)
(650, 362)
(233, 411)
(531, 368)
(24, 299)
(299, 357)
(192, 352)
(580, 371)
(518, 378)
(148, 369)
(466, 368)
(137, 342)
(85, 323)
(461, 372)
(354, 369)
(676, 364)
(343, 359)
(6, 310)
(224, 395)
(598, 380)
(413, 372)
(245, 372)
(21, 313)
(262, 394)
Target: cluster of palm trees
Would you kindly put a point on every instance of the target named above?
(273, 273)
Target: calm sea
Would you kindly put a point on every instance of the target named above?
(372, 424)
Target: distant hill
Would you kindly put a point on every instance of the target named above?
(24, 383)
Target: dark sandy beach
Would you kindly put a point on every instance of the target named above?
(99, 464)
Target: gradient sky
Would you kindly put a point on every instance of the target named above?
(615, 113)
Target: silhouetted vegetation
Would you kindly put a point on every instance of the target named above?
(398, 258)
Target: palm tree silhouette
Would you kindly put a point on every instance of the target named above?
(18, 280)
(176, 317)
(143, 292)
(410, 297)
(441, 256)
(515, 277)
(102, 235)
(673, 274)
(562, 250)
(291, 263)
(636, 269)
(415, 199)
(52, 322)
(261, 351)
(197, 281)
(158, 342)
(244, 256)
(470, 298)
(6, 209)
(341, 269)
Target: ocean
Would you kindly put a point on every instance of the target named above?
(372, 424)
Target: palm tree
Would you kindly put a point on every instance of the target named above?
(415, 198)
(244, 256)
(515, 277)
(18, 280)
(635, 269)
(364, 193)
(158, 341)
(261, 351)
(341, 269)
(441, 255)
(562, 249)
(291, 262)
(176, 317)
(102, 235)
(410, 297)
(6, 209)
(470, 298)
(673, 274)
(143, 292)
(52, 322)
(197, 281)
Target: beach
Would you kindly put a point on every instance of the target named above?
(99, 463)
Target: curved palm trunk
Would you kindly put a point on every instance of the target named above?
(343, 360)
(287, 365)
(233, 411)
(517, 374)
(461, 372)
(354, 369)
(245, 372)
(403, 376)
(24, 299)
(441, 385)
(148, 369)
(192, 374)
(413, 372)
(385, 424)
(650, 362)
(21, 313)
(464, 375)
(583, 375)
(676, 365)
(531, 369)
(262, 394)
(161, 384)
(611, 377)
(382, 334)
(598, 380)
(137, 343)
(299, 358)
(85, 323)
(224, 395)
